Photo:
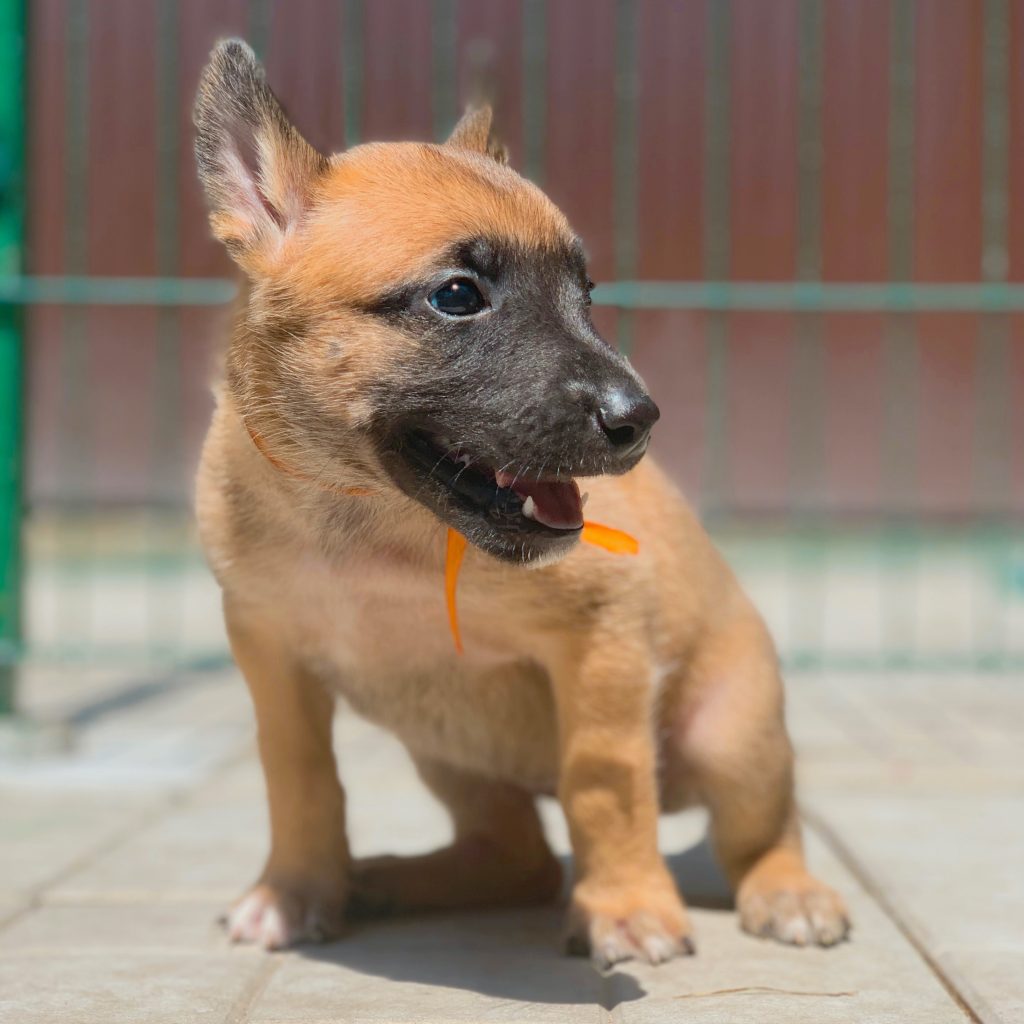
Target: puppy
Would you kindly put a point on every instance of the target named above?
(415, 353)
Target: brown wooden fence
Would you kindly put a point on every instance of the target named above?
(722, 141)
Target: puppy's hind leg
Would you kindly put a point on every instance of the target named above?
(732, 736)
(498, 858)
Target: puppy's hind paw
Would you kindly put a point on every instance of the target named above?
(799, 912)
(274, 917)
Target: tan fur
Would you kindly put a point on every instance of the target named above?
(624, 685)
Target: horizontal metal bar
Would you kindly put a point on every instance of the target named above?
(716, 296)
(909, 660)
(840, 297)
(116, 291)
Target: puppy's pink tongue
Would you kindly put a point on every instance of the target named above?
(552, 503)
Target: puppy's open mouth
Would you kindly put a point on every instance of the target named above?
(510, 501)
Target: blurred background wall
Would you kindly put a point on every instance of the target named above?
(800, 213)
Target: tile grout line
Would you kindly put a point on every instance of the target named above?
(250, 995)
(889, 908)
(174, 800)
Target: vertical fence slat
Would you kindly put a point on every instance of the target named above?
(763, 218)
(717, 216)
(806, 439)
(398, 70)
(352, 42)
(304, 71)
(121, 149)
(856, 60)
(625, 165)
(444, 99)
(535, 76)
(490, 58)
(808, 548)
(948, 117)
(579, 144)
(1015, 253)
(854, 182)
(580, 140)
(897, 579)
(165, 522)
(45, 243)
(992, 483)
(202, 330)
(75, 463)
(669, 346)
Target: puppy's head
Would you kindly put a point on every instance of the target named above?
(418, 318)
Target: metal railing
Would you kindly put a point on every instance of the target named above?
(105, 582)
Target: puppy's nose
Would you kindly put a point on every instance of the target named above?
(626, 416)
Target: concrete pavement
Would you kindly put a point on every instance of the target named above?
(118, 854)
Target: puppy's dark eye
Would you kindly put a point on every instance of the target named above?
(458, 297)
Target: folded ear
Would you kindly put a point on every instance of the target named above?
(257, 170)
(473, 132)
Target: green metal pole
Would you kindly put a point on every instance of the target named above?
(12, 209)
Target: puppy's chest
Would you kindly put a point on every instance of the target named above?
(379, 624)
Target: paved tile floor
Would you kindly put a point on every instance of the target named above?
(124, 837)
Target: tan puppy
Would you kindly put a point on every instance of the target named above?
(415, 352)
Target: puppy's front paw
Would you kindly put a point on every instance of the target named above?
(275, 916)
(794, 908)
(644, 921)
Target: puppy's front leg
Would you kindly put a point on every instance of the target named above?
(302, 891)
(625, 903)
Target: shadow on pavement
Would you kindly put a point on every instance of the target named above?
(507, 954)
(700, 879)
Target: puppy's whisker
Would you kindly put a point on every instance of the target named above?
(433, 469)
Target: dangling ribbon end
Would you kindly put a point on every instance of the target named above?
(618, 542)
(452, 565)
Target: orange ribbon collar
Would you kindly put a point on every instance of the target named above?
(617, 542)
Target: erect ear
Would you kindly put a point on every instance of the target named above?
(257, 170)
(473, 132)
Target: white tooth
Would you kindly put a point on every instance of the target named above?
(528, 507)
(464, 459)
(583, 499)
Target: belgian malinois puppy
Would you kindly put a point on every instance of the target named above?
(415, 354)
